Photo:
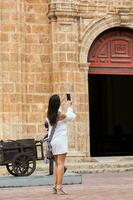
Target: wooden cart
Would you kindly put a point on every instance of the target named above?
(20, 156)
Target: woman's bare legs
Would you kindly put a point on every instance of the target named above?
(60, 169)
(55, 171)
(58, 172)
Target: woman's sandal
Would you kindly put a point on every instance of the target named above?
(61, 192)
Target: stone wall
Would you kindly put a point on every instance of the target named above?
(75, 24)
(25, 63)
(43, 50)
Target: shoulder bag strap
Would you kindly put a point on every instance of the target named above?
(52, 133)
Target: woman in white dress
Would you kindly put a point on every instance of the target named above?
(59, 140)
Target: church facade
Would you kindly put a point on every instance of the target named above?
(84, 47)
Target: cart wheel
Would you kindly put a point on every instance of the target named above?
(10, 168)
(24, 165)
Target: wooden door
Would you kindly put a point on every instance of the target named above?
(112, 52)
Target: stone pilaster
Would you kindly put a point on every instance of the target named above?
(67, 77)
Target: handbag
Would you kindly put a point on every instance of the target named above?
(49, 153)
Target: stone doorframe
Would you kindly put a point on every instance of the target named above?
(96, 28)
(92, 31)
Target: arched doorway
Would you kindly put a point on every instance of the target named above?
(110, 93)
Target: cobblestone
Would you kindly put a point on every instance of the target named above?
(98, 186)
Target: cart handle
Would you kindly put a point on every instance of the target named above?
(42, 140)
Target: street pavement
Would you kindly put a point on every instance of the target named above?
(98, 186)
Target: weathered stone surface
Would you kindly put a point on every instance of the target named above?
(43, 50)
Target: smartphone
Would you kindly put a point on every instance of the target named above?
(68, 97)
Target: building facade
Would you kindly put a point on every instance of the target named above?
(50, 46)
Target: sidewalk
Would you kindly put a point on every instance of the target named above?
(98, 186)
(37, 180)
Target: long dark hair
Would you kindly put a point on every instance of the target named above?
(53, 107)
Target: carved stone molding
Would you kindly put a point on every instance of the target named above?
(84, 66)
(124, 15)
(62, 10)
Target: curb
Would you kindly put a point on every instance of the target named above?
(37, 180)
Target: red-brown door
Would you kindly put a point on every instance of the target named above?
(112, 52)
(110, 61)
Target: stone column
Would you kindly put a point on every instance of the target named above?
(67, 76)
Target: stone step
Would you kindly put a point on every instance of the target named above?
(83, 171)
(99, 165)
(90, 167)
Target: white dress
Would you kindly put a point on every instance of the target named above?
(59, 141)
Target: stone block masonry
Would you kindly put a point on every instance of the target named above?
(43, 50)
(25, 62)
